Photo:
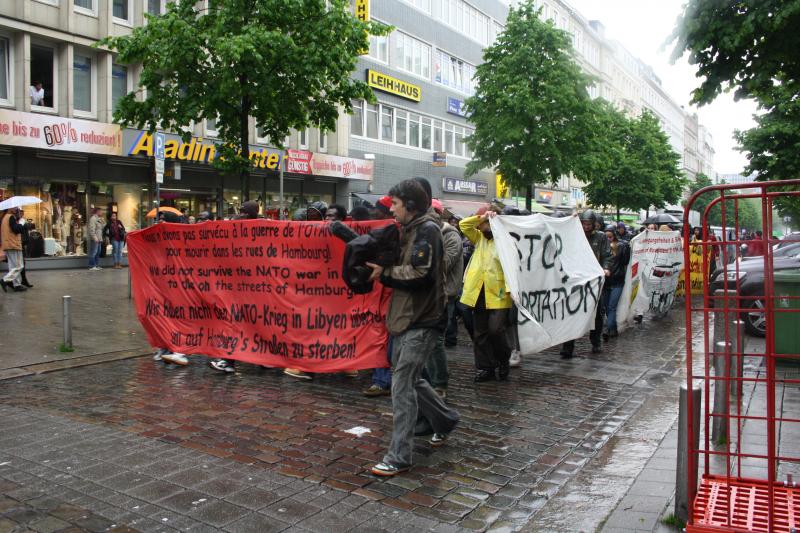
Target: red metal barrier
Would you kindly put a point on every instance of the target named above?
(749, 442)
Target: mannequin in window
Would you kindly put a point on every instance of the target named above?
(37, 93)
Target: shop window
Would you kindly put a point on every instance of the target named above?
(400, 123)
(372, 121)
(43, 69)
(82, 82)
(5, 55)
(87, 7)
(302, 139)
(413, 130)
(425, 137)
(323, 141)
(357, 119)
(387, 114)
(119, 83)
(122, 11)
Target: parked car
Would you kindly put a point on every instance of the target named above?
(751, 287)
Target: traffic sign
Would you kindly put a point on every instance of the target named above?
(159, 177)
(159, 166)
(161, 141)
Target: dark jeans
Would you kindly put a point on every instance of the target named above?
(451, 333)
(491, 338)
(412, 395)
(594, 335)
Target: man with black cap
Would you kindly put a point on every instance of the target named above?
(602, 252)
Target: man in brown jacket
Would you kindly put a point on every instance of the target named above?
(11, 239)
(415, 321)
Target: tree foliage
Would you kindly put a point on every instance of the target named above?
(745, 211)
(531, 109)
(285, 63)
(751, 48)
(745, 46)
(629, 163)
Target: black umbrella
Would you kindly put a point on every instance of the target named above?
(663, 218)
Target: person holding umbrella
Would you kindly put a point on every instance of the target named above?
(11, 244)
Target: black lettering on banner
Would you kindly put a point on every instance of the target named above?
(558, 304)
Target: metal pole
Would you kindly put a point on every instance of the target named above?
(682, 475)
(723, 351)
(158, 199)
(67, 322)
(281, 216)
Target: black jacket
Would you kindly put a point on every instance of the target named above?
(619, 264)
(107, 231)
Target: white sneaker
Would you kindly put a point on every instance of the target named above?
(516, 359)
(221, 365)
(175, 358)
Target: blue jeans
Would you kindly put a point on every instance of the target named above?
(610, 300)
(382, 377)
(94, 252)
(116, 246)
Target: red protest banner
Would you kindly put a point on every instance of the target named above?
(262, 291)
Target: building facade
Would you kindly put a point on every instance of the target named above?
(58, 142)
(421, 75)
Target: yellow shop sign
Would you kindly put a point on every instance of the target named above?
(382, 82)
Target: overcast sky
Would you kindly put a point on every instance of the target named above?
(642, 26)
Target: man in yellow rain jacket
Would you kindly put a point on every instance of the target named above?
(486, 292)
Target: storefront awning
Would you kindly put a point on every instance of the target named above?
(463, 208)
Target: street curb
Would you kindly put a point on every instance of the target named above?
(64, 364)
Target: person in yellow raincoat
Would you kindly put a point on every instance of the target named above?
(486, 292)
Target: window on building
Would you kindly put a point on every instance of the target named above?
(448, 139)
(400, 125)
(302, 139)
(261, 136)
(372, 121)
(211, 127)
(85, 5)
(5, 62)
(387, 115)
(82, 95)
(357, 119)
(121, 9)
(459, 141)
(424, 5)
(413, 130)
(119, 83)
(379, 47)
(412, 55)
(155, 7)
(425, 137)
(455, 73)
(323, 140)
(437, 136)
(43, 70)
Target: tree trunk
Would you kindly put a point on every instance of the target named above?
(618, 215)
(529, 197)
(244, 132)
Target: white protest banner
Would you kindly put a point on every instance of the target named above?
(652, 276)
(552, 275)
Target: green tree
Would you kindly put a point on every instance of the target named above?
(751, 48)
(285, 63)
(629, 162)
(742, 46)
(531, 109)
(701, 181)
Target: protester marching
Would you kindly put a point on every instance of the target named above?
(382, 288)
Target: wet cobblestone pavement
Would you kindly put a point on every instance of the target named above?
(163, 448)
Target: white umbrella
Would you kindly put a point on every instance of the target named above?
(18, 201)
